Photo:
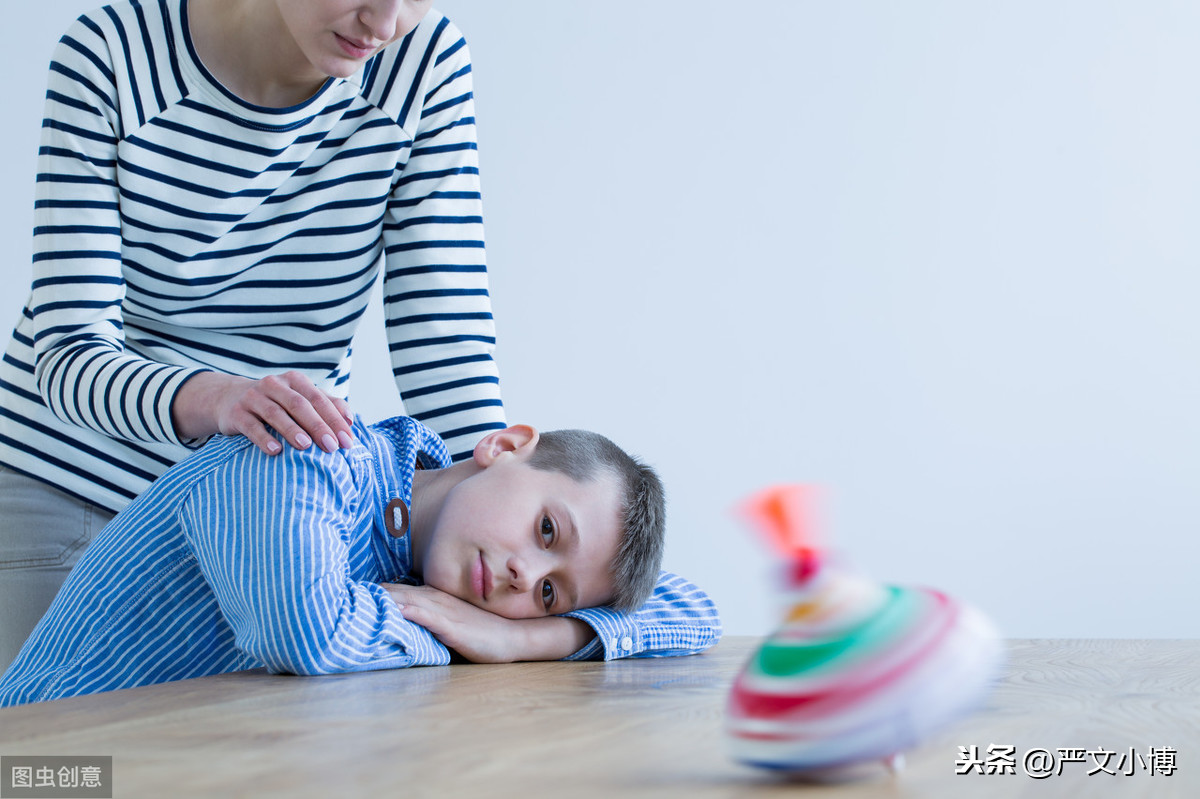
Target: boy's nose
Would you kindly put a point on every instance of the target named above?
(518, 575)
(523, 573)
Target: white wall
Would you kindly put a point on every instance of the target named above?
(939, 257)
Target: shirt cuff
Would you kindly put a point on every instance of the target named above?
(617, 635)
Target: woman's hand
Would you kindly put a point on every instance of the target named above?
(211, 402)
(484, 637)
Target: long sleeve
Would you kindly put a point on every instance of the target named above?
(438, 313)
(179, 229)
(84, 374)
(272, 536)
(678, 619)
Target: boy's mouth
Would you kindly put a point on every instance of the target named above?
(481, 578)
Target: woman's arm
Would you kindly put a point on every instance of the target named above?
(438, 313)
(85, 374)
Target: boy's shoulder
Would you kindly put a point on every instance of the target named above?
(402, 442)
(410, 439)
(216, 450)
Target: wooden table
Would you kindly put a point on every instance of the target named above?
(631, 728)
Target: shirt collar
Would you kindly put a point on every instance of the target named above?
(402, 445)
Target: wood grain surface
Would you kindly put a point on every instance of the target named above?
(628, 728)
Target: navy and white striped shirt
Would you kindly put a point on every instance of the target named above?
(180, 228)
(235, 560)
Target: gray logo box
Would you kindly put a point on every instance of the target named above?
(46, 777)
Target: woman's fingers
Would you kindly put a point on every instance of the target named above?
(320, 415)
(292, 406)
(302, 413)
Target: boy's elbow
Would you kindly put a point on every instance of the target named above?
(293, 636)
(285, 650)
(302, 667)
(714, 632)
(327, 626)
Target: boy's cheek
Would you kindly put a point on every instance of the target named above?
(512, 608)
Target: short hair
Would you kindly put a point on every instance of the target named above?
(580, 454)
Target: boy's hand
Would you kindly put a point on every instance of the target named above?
(472, 632)
(484, 637)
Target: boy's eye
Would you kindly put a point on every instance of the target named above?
(547, 594)
(547, 531)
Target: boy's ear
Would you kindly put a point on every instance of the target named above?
(519, 440)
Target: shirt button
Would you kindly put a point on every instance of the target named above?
(627, 643)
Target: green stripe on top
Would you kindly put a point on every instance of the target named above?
(781, 658)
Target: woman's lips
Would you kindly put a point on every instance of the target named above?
(353, 48)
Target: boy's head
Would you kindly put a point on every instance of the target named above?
(541, 524)
(588, 457)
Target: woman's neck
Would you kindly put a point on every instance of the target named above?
(247, 47)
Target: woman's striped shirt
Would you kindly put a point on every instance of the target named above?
(178, 228)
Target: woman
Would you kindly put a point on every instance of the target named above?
(217, 183)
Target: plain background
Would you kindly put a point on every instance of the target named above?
(939, 258)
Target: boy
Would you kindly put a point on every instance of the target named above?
(236, 560)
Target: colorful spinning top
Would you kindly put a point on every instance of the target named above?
(859, 672)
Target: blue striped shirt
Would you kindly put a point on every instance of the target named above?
(179, 228)
(235, 560)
